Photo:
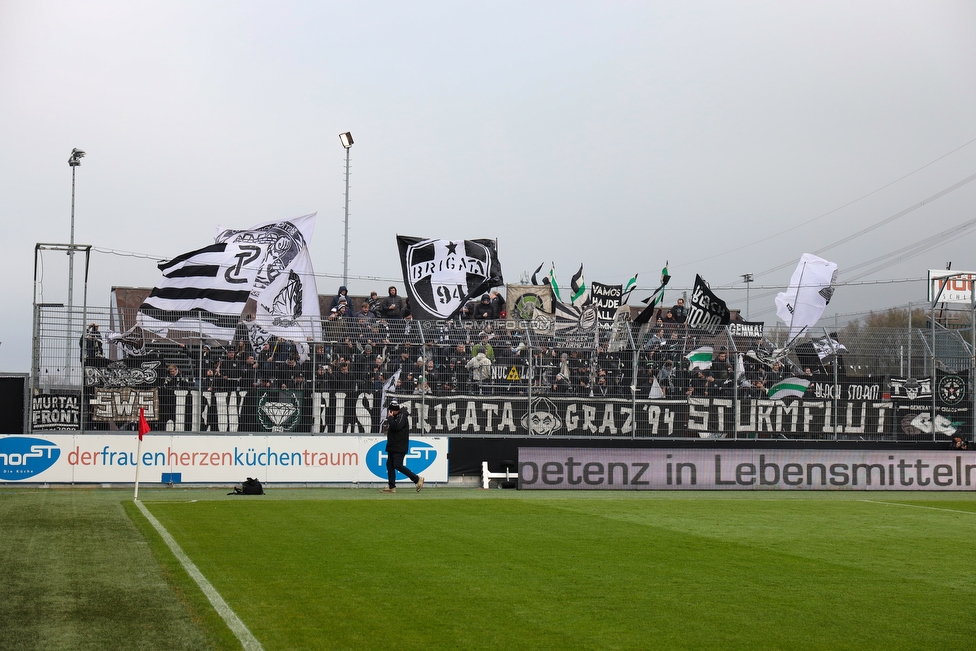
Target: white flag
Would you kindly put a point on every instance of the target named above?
(204, 289)
(285, 290)
(811, 287)
(656, 391)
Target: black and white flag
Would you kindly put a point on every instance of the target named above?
(205, 289)
(607, 299)
(706, 311)
(827, 347)
(287, 302)
(442, 275)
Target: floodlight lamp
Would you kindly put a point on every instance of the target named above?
(344, 138)
(76, 156)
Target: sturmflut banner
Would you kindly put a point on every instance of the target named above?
(358, 413)
(683, 469)
(101, 458)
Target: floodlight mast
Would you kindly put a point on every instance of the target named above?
(347, 141)
(747, 279)
(73, 162)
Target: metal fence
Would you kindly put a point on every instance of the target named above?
(503, 378)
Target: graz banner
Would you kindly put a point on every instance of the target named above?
(509, 414)
(689, 469)
(168, 458)
(913, 399)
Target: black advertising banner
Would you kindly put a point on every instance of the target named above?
(706, 311)
(442, 275)
(913, 399)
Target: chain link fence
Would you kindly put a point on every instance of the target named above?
(92, 372)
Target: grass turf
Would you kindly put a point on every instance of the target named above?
(76, 574)
(572, 571)
(468, 569)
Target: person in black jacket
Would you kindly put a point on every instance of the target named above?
(397, 428)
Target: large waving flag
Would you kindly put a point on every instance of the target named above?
(285, 293)
(205, 289)
(442, 275)
(810, 290)
(706, 311)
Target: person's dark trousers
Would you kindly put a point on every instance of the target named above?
(394, 462)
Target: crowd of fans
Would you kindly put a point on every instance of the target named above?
(364, 346)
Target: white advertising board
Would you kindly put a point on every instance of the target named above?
(684, 469)
(111, 458)
(957, 286)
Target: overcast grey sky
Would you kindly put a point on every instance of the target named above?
(619, 135)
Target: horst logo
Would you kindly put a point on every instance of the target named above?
(22, 457)
(418, 459)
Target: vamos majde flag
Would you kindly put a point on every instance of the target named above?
(442, 275)
(607, 299)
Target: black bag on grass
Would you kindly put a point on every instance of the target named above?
(250, 486)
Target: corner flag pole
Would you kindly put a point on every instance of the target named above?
(143, 430)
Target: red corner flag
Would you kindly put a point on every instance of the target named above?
(143, 425)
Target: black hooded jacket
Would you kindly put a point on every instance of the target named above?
(398, 432)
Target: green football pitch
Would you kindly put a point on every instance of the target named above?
(472, 569)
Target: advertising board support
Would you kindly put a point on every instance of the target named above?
(735, 383)
(967, 291)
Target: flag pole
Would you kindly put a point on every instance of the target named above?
(135, 494)
(143, 430)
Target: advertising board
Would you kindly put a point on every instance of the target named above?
(111, 458)
(956, 286)
(683, 469)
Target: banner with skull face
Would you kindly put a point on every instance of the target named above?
(914, 399)
(442, 275)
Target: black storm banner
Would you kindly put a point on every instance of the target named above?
(442, 275)
(706, 312)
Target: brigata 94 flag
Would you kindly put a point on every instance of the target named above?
(442, 275)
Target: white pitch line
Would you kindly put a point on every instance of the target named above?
(918, 506)
(249, 642)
